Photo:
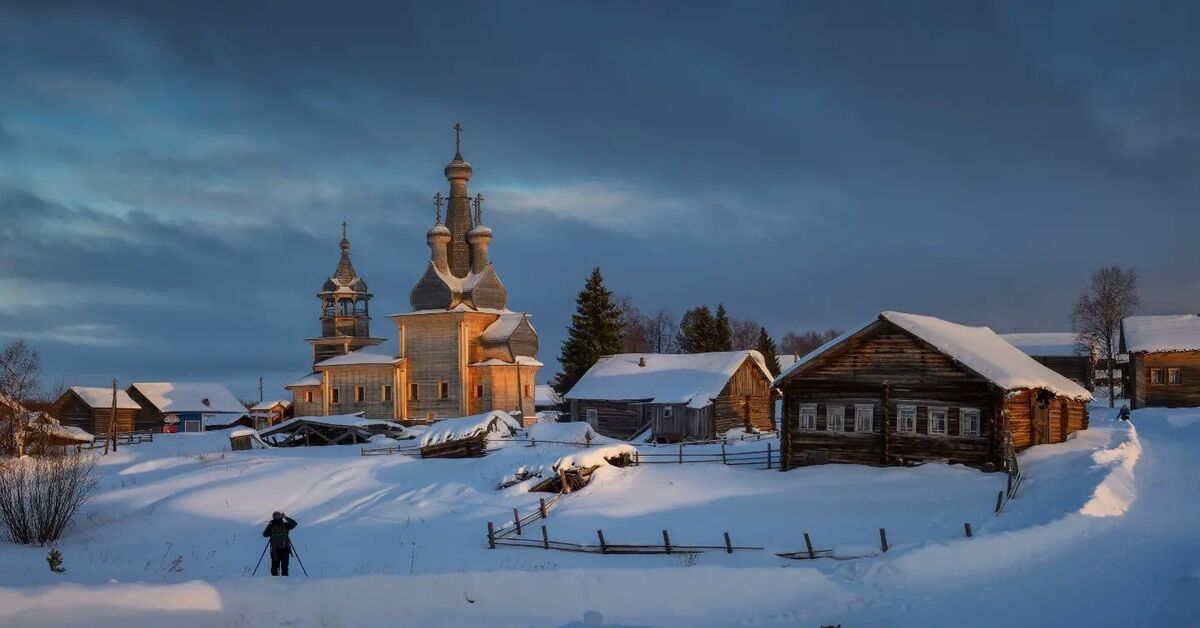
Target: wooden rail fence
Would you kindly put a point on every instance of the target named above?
(768, 457)
(123, 438)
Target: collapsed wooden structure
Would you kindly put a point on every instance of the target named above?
(347, 429)
(466, 437)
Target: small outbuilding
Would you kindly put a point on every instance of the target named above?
(89, 408)
(467, 437)
(905, 388)
(1164, 360)
(677, 396)
(1061, 352)
(190, 406)
(270, 412)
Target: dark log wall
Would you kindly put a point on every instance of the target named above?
(71, 410)
(616, 419)
(1146, 394)
(1075, 368)
(148, 418)
(746, 401)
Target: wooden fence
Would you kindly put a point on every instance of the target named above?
(768, 458)
(123, 438)
(1013, 467)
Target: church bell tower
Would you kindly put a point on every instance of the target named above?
(345, 311)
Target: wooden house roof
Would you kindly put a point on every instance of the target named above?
(690, 378)
(1160, 334)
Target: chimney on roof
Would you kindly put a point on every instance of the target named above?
(642, 361)
(205, 401)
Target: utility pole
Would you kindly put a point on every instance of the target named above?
(260, 390)
(112, 419)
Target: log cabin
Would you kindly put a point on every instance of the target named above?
(89, 408)
(188, 406)
(1060, 352)
(1164, 360)
(905, 389)
(676, 396)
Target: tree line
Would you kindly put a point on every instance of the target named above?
(605, 323)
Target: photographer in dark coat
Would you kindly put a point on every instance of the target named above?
(281, 544)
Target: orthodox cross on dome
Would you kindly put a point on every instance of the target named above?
(457, 140)
(343, 229)
(437, 202)
(478, 209)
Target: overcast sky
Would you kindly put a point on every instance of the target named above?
(172, 179)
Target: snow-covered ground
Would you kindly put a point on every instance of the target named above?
(1102, 533)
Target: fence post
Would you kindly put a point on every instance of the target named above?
(517, 519)
(967, 529)
(542, 506)
(999, 499)
(545, 538)
(723, 460)
(728, 544)
(603, 545)
(768, 455)
(491, 536)
(883, 544)
(681, 452)
(1009, 484)
(667, 541)
(532, 442)
(808, 544)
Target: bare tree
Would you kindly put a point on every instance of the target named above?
(39, 495)
(1108, 299)
(20, 372)
(661, 332)
(745, 333)
(634, 325)
(799, 344)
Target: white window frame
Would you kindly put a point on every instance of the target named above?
(668, 412)
(861, 422)
(945, 420)
(962, 421)
(900, 425)
(840, 412)
(592, 416)
(808, 410)
(193, 425)
(1174, 376)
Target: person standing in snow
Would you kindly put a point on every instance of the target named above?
(281, 543)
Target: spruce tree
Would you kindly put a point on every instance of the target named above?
(696, 330)
(766, 346)
(595, 331)
(722, 331)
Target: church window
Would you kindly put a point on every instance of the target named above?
(443, 390)
(308, 396)
(478, 391)
(335, 395)
(360, 394)
(527, 392)
(414, 392)
(385, 393)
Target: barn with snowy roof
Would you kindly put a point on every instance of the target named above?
(904, 388)
(1164, 360)
(89, 408)
(1059, 351)
(187, 406)
(675, 396)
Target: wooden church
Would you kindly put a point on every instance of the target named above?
(459, 352)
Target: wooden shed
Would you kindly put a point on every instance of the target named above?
(906, 388)
(1061, 352)
(676, 396)
(1164, 360)
(467, 437)
(89, 408)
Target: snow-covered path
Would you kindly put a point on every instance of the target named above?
(1125, 553)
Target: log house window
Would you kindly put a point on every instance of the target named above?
(808, 417)
(968, 422)
(414, 392)
(906, 418)
(592, 416)
(308, 396)
(939, 421)
(385, 393)
(334, 395)
(443, 390)
(835, 420)
(864, 418)
(1174, 376)
(668, 412)
(1158, 376)
(360, 394)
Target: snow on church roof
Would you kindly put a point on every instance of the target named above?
(312, 379)
(189, 397)
(1054, 344)
(1157, 334)
(100, 397)
(502, 328)
(362, 356)
(978, 348)
(693, 378)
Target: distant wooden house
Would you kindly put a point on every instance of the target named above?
(270, 412)
(676, 396)
(187, 406)
(1164, 360)
(90, 407)
(906, 388)
(1060, 352)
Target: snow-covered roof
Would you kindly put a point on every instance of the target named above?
(312, 379)
(523, 360)
(545, 395)
(502, 328)
(1054, 344)
(100, 397)
(189, 397)
(468, 426)
(1159, 334)
(691, 378)
(786, 360)
(369, 355)
(270, 403)
(978, 348)
(334, 420)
